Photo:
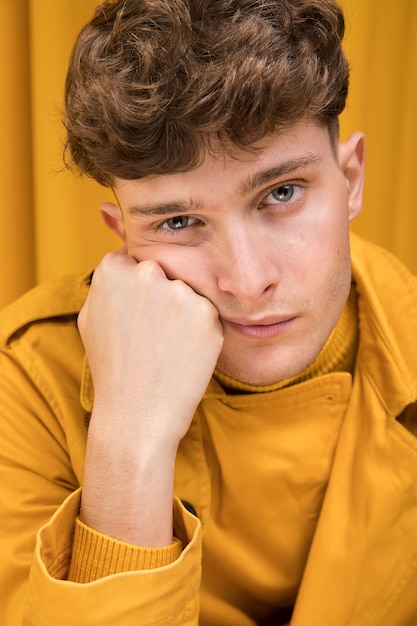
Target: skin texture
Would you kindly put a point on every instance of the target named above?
(241, 264)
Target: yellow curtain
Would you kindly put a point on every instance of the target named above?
(49, 218)
(381, 44)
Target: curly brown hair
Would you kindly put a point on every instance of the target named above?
(153, 84)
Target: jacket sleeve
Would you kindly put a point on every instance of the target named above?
(154, 594)
(40, 475)
(35, 477)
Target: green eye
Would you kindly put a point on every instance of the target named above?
(178, 222)
(283, 193)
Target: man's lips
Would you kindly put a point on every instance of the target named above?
(260, 329)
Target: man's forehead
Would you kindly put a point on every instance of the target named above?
(274, 157)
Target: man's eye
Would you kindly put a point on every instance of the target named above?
(283, 193)
(178, 222)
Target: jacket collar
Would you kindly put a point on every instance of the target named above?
(387, 323)
(53, 298)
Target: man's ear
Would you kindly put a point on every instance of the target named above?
(352, 163)
(113, 218)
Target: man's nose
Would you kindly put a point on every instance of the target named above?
(246, 269)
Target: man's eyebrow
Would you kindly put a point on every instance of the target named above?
(264, 177)
(165, 208)
(253, 181)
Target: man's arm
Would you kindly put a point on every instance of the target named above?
(42, 462)
(152, 346)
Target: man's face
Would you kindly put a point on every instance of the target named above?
(263, 236)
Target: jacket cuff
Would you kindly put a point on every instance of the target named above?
(149, 596)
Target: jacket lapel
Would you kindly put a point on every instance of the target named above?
(362, 566)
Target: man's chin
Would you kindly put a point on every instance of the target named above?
(264, 368)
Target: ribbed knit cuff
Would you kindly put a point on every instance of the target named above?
(96, 556)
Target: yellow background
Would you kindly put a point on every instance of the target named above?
(49, 219)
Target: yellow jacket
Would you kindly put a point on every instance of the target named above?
(306, 497)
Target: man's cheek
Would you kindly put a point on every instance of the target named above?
(190, 273)
(174, 266)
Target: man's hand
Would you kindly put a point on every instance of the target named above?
(152, 345)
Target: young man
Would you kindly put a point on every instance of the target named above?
(239, 408)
